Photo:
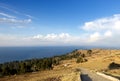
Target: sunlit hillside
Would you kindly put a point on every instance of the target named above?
(98, 60)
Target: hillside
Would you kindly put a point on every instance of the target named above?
(100, 60)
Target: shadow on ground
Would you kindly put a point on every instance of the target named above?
(85, 77)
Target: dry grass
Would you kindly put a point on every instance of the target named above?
(99, 61)
(38, 76)
(74, 76)
(59, 73)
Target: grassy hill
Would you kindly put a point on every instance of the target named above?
(68, 68)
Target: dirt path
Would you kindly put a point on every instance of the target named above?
(86, 75)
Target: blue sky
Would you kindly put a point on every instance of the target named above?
(59, 22)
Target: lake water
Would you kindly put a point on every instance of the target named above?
(21, 53)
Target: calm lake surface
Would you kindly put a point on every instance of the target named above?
(21, 53)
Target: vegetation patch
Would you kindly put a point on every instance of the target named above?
(33, 65)
(114, 65)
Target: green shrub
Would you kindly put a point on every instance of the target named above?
(79, 60)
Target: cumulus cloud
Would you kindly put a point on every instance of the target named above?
(108, 34)
(99, 32)
(56, 39)
(52, 37)
(103, 24)
(38, 36)
(48, 39)
(94, 37)
(103, 31)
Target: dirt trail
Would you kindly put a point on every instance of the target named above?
(86, 75)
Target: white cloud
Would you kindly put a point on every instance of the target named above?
(6, 15)
(57, 39)
(52, 36)
(8, 8)
(103, 31)
(14, 17)
(99, 32)
(63, 35)
(94, 37)
(48, 39)
(103, 24)
(38, 37)
(29, 16)
(14, 21)
(108, 34)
